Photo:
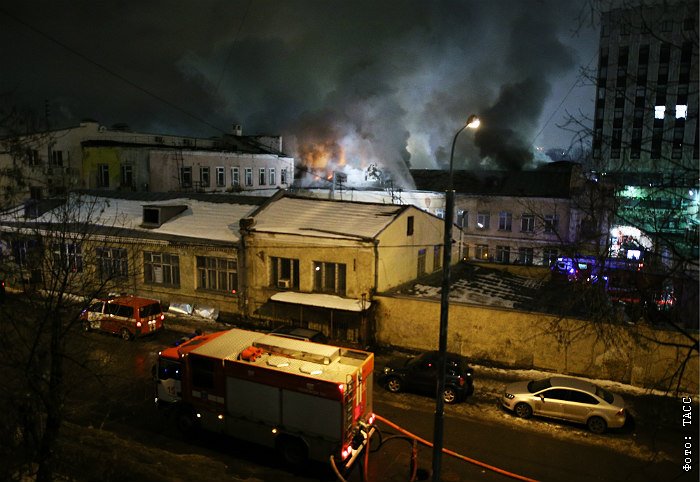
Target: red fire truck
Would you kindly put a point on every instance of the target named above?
(307, 400)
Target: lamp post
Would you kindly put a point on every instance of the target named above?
(472, 123)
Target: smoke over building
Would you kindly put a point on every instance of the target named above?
(348, 84)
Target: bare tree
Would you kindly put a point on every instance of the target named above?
(53, 265)
(642, 173)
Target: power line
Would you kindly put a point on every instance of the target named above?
(551, 116)
(110, 71)
(233, 43)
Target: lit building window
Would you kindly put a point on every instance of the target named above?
(681, 111)
(659, 111)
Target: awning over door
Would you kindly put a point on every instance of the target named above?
(321, 300)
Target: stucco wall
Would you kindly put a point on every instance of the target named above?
(398, 251)
(532, 340)
(357, 256)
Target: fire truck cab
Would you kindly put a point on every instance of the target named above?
(308, 400)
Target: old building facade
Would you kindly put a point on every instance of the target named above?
(92, 156)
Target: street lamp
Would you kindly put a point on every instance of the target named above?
(472, 123)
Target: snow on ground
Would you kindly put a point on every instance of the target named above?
(485, 406)
(482, 285)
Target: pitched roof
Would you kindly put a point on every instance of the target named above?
(551, 180)
(325, 218)
(208, 220)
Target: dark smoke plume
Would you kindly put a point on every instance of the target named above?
(384, 83)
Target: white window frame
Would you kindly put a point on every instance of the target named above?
(220, 176)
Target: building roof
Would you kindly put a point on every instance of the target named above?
(325, 218)
(208, 219)
(552, 180)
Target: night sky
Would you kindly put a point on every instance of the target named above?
(354, 82)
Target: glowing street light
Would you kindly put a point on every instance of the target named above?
(472, 123)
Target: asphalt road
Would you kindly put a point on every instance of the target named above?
(118, 405)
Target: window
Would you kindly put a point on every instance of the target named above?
(112, 263)
(527, 223)
(217, 274)
(248, 176)
(659, 111)
(186, 177)
(437, 257)
(681, 111)
(409, 226)
(272, 177)
(549, 256)
(204, 177)
(283, 176)
(503, 254)
(677, 145)
(127, 175)
(57, 158)
(525, 256)
(33, 157)
(656, 138)
(421, 262)
(35, 192)
(235, 176)
(636, 143)
(329, 278)
(557, 394)
(161, 269)
(102, 175)
(220, 177)
(25, 252)
(284, 273)
(483, 220)
(551, 223)
(261, 176)
(482, 251)
(463, 219)
(505, 221)
(68, 256)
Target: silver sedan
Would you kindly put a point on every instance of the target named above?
(566, 398)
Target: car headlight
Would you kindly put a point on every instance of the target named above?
(509, 396)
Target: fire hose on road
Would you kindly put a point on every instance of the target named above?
(414, 440)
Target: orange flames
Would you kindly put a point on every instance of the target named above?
(322, 156)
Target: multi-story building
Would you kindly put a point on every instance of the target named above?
(524, 217)
(645, 132)
(91, 156)
(646, 112)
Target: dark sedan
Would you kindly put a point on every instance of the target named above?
(420, 374)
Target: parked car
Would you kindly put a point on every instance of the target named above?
(569, 399)
(420, 374)
(127, 316)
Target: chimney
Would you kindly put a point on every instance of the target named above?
(237, 130)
